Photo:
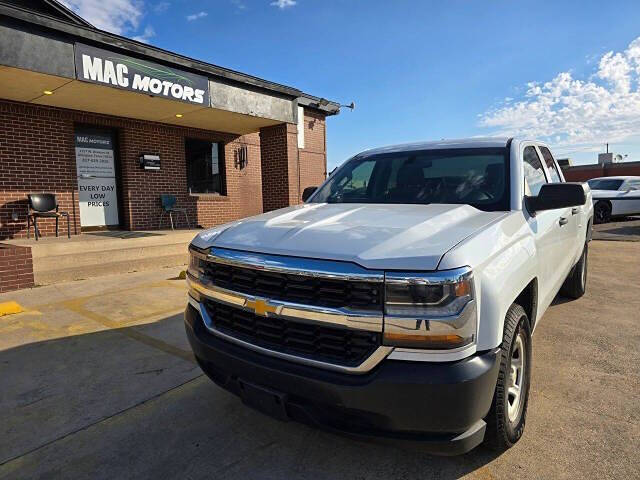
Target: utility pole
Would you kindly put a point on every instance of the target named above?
(607, 147)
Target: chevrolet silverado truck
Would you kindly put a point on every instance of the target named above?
(400, 299)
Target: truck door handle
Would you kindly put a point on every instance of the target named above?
(563, 221)
(574, 210)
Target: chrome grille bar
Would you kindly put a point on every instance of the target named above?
(359, 320)
(295, 265)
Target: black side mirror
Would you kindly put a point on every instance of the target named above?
(557, 195)
(307, 192)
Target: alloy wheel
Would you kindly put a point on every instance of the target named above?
(515, 391)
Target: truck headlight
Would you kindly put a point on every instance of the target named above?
(434, 310)
(197, 258)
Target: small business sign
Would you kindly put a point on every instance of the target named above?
(150, 162)
(99, 66)
(95, 166)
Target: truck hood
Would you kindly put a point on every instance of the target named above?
(377, 236)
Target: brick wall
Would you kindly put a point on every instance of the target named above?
(313, 158)
(36, 145)
(582, 173)
(279, 159)
(16, 268)
(37, 154)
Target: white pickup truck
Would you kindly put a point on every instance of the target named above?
(400, 299)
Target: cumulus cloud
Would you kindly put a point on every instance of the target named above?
(161, 7)
(115, 16)
(146, 35)
(566, 111)
(196, 16)
(282, 4)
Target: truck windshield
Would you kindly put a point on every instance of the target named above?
(604, 184)
(473, 176)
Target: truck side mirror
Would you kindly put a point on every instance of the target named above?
(557, 195)
(307, 192)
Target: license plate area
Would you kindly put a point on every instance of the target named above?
(264, 400)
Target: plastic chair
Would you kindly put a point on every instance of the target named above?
(168, 204)
(44, 205)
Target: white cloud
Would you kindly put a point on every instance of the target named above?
(196, 16)
(115, 16)
(239, 4)
(161, 7)
(146, 35)
(566, 111)
(282, 4)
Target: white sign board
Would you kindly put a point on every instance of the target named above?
(95, 165)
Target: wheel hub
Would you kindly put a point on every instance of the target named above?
(516, 385)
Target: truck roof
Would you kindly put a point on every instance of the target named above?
(475, 142)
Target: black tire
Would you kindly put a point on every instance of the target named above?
(602, 212)
(576, 283)
(504, 430)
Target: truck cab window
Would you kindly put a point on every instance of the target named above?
(534, 176)
(551, 165)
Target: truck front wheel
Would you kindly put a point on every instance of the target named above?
(508, 413)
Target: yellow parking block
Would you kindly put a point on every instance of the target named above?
(9, 308)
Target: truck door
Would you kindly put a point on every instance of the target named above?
(568, 222)
(630, 189)
(546, 228)
(574, 228)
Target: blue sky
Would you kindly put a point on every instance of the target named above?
(567, 72)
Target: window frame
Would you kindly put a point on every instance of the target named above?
(542, 163)
(539, 147)
(222, 170)
(507, 201)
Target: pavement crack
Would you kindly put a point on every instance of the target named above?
(157, 371)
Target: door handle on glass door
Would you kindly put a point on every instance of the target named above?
(563, 221)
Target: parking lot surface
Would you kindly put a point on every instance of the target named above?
(97, 381)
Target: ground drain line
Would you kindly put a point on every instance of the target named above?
(78, 307)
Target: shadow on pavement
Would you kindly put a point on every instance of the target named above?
(125, 403)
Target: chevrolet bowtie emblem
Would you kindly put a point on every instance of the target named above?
(261, 307)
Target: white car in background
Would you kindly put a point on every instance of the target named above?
(615, 197)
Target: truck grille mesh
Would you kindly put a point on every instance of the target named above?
(335, 345)
(296, 288)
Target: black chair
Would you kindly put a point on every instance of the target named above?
(44, 205)
(168, 205)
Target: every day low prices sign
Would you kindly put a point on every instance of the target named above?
(95, 164)
(107, 68)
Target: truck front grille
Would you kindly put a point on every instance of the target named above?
(335, 345)
(296, 288)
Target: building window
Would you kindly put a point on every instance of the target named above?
(205, 166)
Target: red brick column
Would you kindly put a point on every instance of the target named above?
(279, 163)
(16, 268)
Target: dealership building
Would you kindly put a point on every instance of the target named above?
(109, 125)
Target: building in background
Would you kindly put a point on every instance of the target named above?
(109, 125)
(564, 162)
(609, 165)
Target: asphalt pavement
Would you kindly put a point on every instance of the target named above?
(97, 381)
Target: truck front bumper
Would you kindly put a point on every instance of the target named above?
(439, 403)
